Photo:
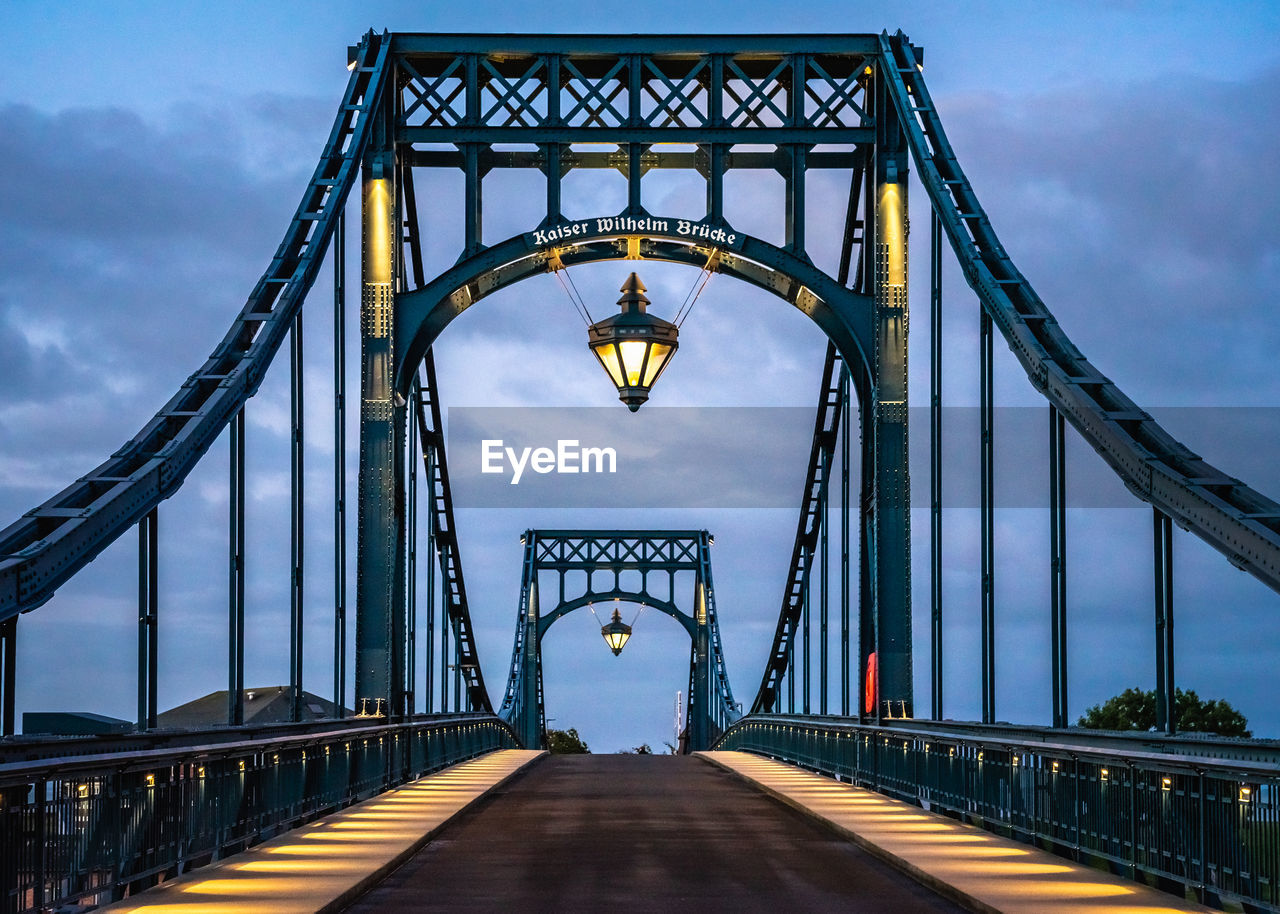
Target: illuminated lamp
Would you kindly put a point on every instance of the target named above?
(616, 632)
(634, 346)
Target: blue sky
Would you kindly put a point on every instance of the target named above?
(154, 152)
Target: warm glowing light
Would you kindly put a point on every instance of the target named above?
(616, 633)
(1055, 767)
(892, 235)
(1166, 783)
(1245, 794)
(151, 780)
(82, 790)
(1104, 774)
(633, 347)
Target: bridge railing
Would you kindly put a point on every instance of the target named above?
(93, 827)
(1199, 814)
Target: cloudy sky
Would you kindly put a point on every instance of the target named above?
(154, 153)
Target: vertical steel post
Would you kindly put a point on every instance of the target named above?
(429, 660)
(340, 467)
(1166, 707)
(935, 461)
(845, 432)
(457, 676)
(474, 221)
(795, 198)
(700, 698)
(805, 670)
(635, 171)
(379, 617)
(551, 152)
(715, 118)
(148, 642)
(411, 601)
(823, 558)
(987, 414)
(1058, 563)
(890, 551)
(530, 721)
(8, 685)
(444, 628)
(791, 679)
(297, 518)
(235, 589)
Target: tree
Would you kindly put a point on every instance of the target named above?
(566, 742)
(1135, 709)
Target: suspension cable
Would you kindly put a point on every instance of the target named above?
(700, 283)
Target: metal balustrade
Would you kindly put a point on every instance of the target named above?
(1172, 816)
(96, 827)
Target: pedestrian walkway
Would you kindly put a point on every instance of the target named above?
(325, 865)
(982, 871)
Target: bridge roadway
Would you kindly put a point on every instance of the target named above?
(517, 830)
(635, 832)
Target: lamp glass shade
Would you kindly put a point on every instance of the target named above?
(616, 633)
(633, 347)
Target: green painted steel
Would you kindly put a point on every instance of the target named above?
(1189, 815)
(661, 554)
(81, 827)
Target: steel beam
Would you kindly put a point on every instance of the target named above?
(986, 470)
(340, 466)
(935, 463)
(428, 697)
(823, 595)
(148, 634)
(444, 630)
(846, 431)
(297, 516)
(1166, 705)
(9, 674)
(700, 705)
(379, 619)
(236, 571)
(411, 595)
(891, 545)
(1058, 563)
(806, 675)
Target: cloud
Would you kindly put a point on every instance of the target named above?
(1141, 213)
(1144, 217)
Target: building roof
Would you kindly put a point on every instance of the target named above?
(270, 705)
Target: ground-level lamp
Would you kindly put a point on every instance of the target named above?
(616, 632)
(634, 347)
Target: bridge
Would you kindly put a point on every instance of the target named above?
(413, 738)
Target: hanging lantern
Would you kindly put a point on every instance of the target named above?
(634, 346)
(616, 632)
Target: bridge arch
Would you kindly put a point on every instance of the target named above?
(867, 332)
(641, 598)
(656, 554)
(844, 315)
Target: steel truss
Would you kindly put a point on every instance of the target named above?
(658, 556)
(479, 103)
(1180, 813)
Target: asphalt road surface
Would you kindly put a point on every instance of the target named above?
(640, 833)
